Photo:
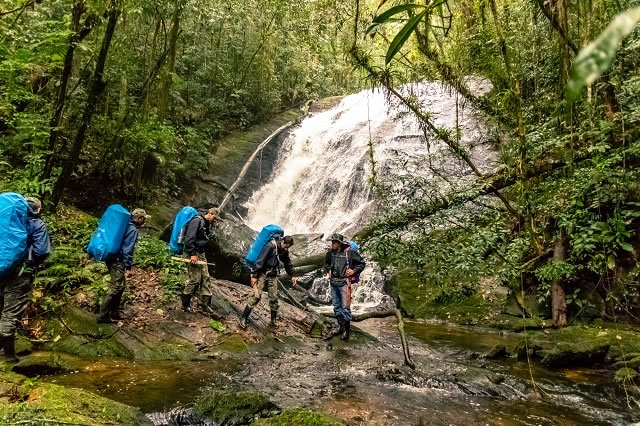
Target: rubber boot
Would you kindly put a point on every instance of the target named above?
(104, 317)
(9, 343)
(208, 309)
(338, 331)
(245, 317)
(186, 302)
(115, 308)
(274, 316)
(347, 331)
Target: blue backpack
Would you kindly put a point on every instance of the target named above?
(268, 233)
(13, 231)
(176, 243)
(107, 239)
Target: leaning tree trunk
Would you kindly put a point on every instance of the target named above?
(97, 87)
(77, 35)
(558, 296)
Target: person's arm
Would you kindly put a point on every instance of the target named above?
(39, 243)
(327, 262)
(357, 263)
(286, 261)
(128, 246)
(190, 237)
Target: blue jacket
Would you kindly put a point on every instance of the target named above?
(128, 245)
(38, 241)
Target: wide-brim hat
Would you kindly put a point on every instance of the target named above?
(140, 213)
(339, 238)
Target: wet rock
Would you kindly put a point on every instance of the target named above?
(626, 375)
(33, 367)
(526, 349)
(234, 408)
(584, 354)
(496, 352)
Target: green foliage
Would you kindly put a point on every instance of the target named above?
(596, 58)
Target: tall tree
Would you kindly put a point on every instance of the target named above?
(163, 97)
(95, 91)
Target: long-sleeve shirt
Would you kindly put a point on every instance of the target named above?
(128, 245)
(336, 262)
(38, 241)
(269, 260)
(196, 236)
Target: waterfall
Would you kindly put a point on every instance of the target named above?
(321, 182)
(321, 179)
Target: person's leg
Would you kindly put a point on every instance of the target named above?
(336, 300)
(17, 293)
(191, 286)
(205, 287)
(273, 298)
(114, 293)
(346, 310)
(256, 294)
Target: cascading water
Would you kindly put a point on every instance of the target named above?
(321, 179)
(321, 182)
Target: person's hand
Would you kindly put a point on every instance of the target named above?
(350, 272)
(294, 281)
(194, 260)
(254, 281)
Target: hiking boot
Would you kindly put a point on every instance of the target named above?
(337, 332)
(186, 302)
(274, 316)
(116, 314)
(9, 344)
(104, 317)
(347, 331)
(245, 317)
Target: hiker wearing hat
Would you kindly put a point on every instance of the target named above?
(196, 239)
(15, 288)
(341, 263)
(119, 265)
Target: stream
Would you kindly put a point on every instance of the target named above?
(365, 382)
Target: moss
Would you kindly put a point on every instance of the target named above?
(414, 299)
(300, 417)
(44, 403)
(90, 339)
(23, 345)
(234, 407)
(234, 344)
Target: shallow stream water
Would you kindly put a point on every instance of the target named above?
(365, 382)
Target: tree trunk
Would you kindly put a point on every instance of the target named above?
(97, 87)
(558, 296)
(54, 124)
(154, 52)
(163, 98)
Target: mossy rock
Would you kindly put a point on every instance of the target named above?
(496, 352)
(523, 350)
(42, 366)
(29, 401)
(300, 417)
(626, 375)
(581, 354)
(234, 408)
(23, 346)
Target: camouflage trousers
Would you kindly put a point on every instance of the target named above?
(199, 280)
(118, 283)
(272, 289)
(15, 293)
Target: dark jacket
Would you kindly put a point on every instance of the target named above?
(38, 241)
(196, 237)
(268, 263)
(128, 245)
(337, 262)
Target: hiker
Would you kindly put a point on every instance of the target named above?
(343, 265)
(265, 274)
(196, 239)
(119, 265)
(15, 288)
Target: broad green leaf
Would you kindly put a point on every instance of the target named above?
(596, 57)
(626, 246)
(400, 39)
(384, 16)
(217, 325)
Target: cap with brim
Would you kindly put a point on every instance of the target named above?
(339, 238)
(140, 213)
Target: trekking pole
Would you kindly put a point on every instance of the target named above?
(186, 260)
